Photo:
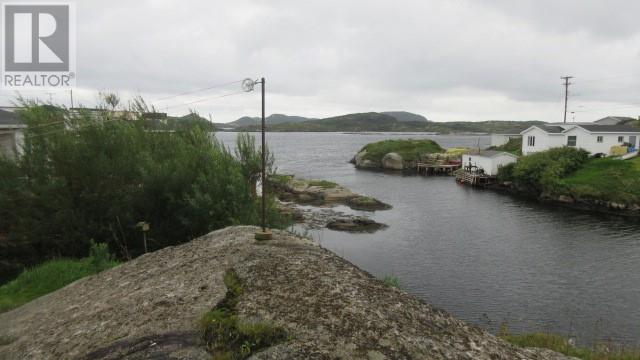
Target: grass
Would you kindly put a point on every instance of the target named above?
(228, 338)
(391, 281)
(287, 179)
(513, 146)
(409, 149)
(606, 179)
(322, 183)
(280, 179)
(45, 278)
(562, 345)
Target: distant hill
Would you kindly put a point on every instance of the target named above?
(400, 121)
(351, 122)
(405, 116)
(273, 119)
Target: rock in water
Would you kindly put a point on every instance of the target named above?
(392, 161)
(149, 308)
(358, 224)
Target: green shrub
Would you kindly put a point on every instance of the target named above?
(103, 174)
(543, 171)
(99, 255)
(391, 281)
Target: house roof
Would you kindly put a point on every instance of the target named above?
(594, 128)
(611, 128)
(551, 129)
(9, 119)
(614, 119)
(493, 153)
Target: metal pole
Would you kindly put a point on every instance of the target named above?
(566, 94)
(264, 170)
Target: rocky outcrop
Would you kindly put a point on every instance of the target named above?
(149, 308)
(313, 218)
(320, 192)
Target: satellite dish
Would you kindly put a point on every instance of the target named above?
(248, 84)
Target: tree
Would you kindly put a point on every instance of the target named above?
(251, 160)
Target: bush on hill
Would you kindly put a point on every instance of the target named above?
(409, 149)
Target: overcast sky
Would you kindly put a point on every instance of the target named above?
(447, 60)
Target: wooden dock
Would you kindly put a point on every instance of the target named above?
(474, 178)
(437, 169)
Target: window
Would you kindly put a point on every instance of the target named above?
(599, 139)
(531, 141)
(572, 140)
(620, 139)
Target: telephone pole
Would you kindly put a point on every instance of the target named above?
(566, 94)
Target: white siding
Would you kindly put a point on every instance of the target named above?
(589, 140)
(584, 140)
(490, 165)
(544, 141)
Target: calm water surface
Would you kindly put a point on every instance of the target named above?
(485, 257)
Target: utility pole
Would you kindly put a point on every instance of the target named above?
(71, 92)
(264, 234)
(566, 94)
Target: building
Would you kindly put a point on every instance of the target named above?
(596, 139)
(501, 139)
(11, 134)
(487, 161)
(614, 120)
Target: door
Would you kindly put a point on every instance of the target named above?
(632, 141)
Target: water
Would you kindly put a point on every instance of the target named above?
(485, 257)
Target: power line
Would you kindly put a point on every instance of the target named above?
(204, 99)
(198, 90)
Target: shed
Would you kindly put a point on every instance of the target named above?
(489, 161)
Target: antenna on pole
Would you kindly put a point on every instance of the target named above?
(566, 94)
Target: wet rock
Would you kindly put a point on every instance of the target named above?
(355, 224)
(366, 203)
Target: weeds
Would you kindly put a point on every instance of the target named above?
(391, 281)
(564, 346)
(229, 338)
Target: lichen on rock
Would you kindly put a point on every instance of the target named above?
(149, 308)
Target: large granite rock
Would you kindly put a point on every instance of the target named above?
(149, 308)
(360, 162)
(392, 161)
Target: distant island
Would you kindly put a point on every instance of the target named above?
(400, 121)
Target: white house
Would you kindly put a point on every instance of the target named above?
(488, 160)
(11, 135)
(596, 139)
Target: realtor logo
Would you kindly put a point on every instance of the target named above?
(39, 45)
